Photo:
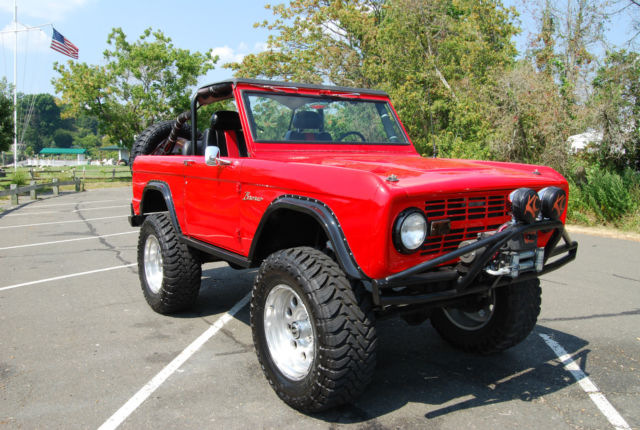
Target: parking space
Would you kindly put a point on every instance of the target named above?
(80, 348)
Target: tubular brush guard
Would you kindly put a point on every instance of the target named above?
(461, 284)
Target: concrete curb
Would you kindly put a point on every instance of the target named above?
(604, 232)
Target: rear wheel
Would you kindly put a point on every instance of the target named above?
(313, 331)
(169, 271)
(494, 323)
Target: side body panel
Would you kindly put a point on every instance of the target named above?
(212, 203)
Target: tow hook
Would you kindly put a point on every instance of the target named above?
(513, 263)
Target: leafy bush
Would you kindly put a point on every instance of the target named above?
(631, 179)
(608, 195)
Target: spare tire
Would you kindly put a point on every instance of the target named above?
(153, 136)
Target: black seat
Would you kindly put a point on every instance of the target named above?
(307, 120)
(226, 133)
(200, 145)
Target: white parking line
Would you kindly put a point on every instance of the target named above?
(73, 275)
(64, 212)
(76, 203)
(586, 384)
(61, 222)
(67, 240)
(132, 404)
(101, 207)
(34, 213)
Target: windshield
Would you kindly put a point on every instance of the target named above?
(306, 119)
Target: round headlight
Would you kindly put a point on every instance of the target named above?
(410, 230)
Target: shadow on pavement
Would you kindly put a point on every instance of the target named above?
(416, 366)
(221, 288)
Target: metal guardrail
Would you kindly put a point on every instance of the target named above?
(33, 188)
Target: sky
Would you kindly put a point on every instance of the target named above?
(221, 26)
(226, 27)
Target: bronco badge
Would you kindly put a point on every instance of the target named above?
(248, 196)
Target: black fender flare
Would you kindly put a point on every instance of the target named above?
(325, 218)
(163, 188)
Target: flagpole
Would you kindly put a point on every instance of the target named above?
(15, 32)
(15, 87)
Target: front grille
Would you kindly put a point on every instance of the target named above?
(469, 215)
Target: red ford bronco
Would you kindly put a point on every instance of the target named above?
(321, 188)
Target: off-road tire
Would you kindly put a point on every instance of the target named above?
(153, 136)
(181, 269)
(515, 313)
(343, 329)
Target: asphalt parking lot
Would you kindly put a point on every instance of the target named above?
(80, 348)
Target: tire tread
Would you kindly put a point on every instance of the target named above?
(182, 270)
(346, 331)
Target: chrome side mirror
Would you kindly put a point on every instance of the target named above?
(212, 157)
(211, 154)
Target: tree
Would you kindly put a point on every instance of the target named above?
(141, 83)
(316, 41)
(617, 100)
(39, 118)
(544, 43)
(63, 138)
(529, 116)
(564, 46)
(431, 56)
(630, 8)
(434, 58)
(88, 141)
(6, 116)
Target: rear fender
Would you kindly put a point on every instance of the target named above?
(156, 197)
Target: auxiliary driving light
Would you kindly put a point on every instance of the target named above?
(553, 201)
(525, 205)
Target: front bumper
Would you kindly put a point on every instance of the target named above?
(443, 285)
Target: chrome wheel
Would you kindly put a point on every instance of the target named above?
(471, 320)
(289, 332)
(153, 263)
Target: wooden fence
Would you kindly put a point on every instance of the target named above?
(32, 189)
(105, 174)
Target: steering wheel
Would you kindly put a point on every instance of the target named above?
(348, 133)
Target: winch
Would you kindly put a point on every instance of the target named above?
(517, 256)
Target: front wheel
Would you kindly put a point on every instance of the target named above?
(313, 331)
(494, 323)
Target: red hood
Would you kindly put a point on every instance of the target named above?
(417, 174)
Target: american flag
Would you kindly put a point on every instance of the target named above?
(61, 44)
